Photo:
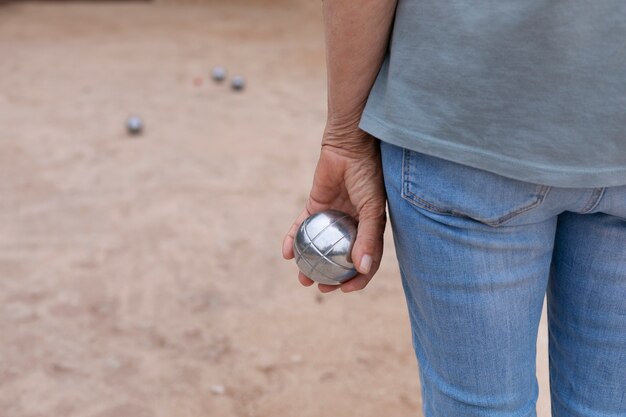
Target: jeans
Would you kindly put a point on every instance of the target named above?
(477, 254)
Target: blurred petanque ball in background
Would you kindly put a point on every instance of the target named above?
(218, 74)
(134, 125)
(322, 247)
(238, 83)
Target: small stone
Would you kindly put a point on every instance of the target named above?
(218, 389)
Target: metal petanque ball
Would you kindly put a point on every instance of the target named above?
(218, 74)
(134, 125)
(238, 83)
(323, 245)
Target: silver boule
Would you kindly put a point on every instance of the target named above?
(323, 245)
(218, 74)
(238, 83)
(134, 125)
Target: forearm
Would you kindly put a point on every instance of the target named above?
(357, 35)
(348, 176)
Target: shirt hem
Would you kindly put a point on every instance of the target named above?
(498, 164)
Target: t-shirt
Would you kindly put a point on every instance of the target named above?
(529, 89)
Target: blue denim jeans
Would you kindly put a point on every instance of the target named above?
(477, 253)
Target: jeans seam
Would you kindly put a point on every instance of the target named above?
(545, 189)
(413, 198)
(597, 194)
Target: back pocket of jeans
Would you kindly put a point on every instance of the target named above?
(446, 187)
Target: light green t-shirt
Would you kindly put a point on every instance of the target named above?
(530, 89)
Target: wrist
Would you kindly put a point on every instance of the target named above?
(352, 142)
(344, 120)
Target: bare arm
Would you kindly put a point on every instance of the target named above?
(348, 175)
(357, 35)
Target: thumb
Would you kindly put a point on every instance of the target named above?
(368, 246)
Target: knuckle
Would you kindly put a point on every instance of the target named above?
(366, 245)
(361, 284)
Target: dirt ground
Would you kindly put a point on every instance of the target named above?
(142, 277)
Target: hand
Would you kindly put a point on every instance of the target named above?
(348, 177)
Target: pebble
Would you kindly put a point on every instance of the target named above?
(218, 389)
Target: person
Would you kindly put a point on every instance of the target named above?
(495, 131)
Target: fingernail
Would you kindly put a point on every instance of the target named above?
(366, 264)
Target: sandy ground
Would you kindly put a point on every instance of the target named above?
(142, 277)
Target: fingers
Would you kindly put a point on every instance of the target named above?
(368, 247)
(357, 283)
(323, 288)
(307, 282)
(304, 280)
(291, 235)
(354, 284)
